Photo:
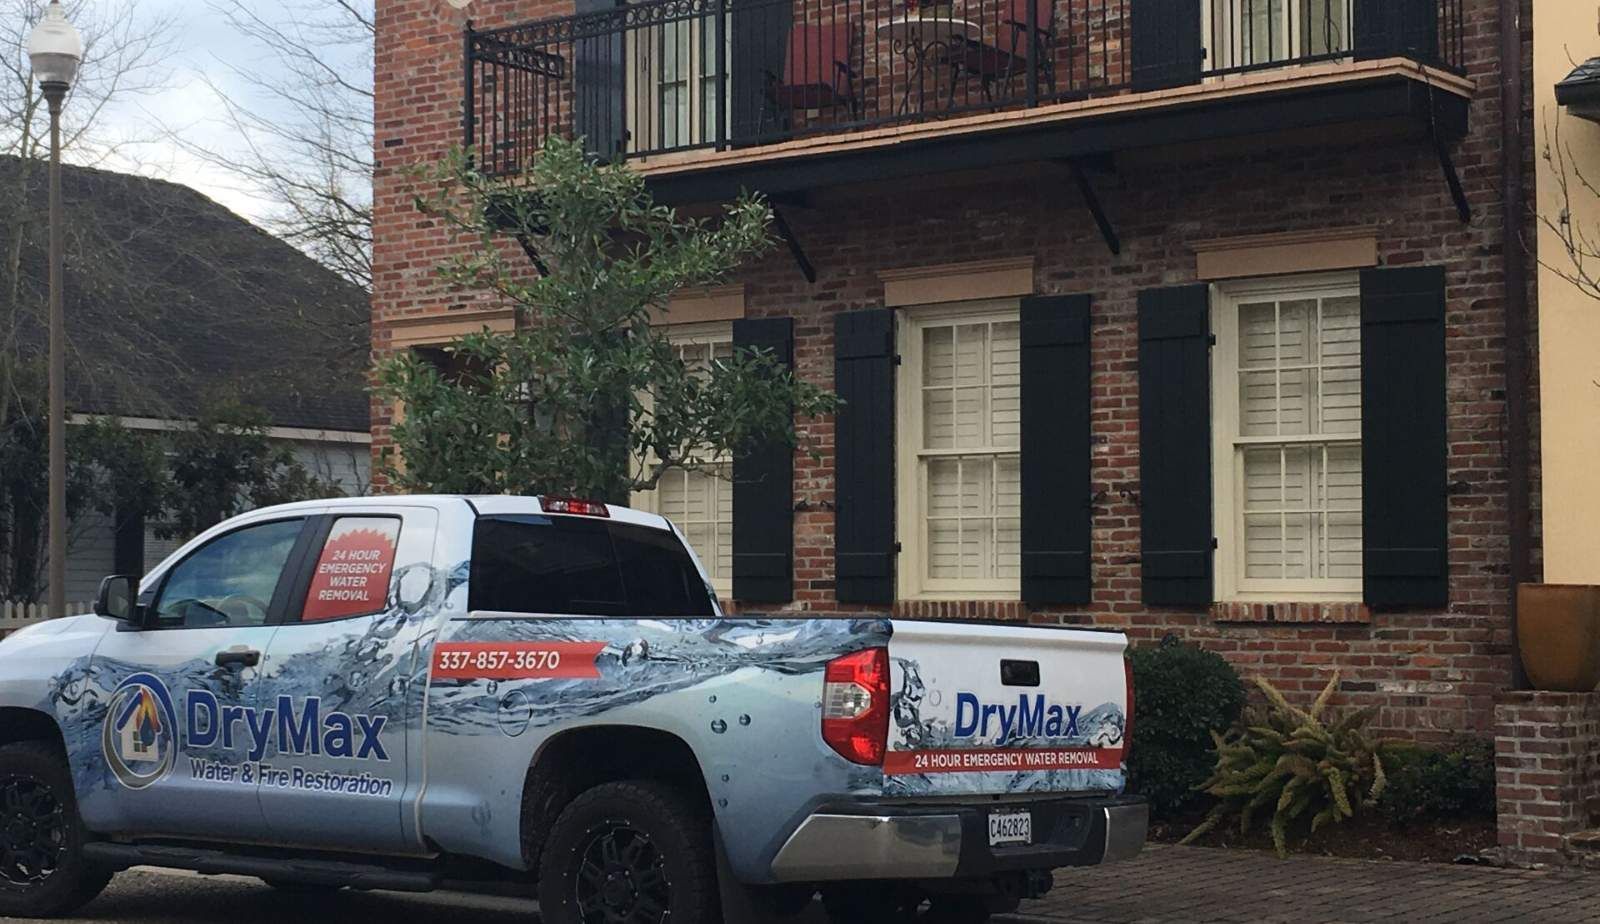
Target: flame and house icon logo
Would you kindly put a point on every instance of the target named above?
(139, 737)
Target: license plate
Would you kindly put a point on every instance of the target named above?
(1010, 828)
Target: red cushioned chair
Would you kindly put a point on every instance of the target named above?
(817, 73)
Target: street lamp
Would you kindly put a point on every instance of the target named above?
(56, 50)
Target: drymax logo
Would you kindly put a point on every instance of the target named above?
(1028, 717)
(296, 730)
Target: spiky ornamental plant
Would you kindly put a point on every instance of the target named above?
(584, 397)
(1295, 763)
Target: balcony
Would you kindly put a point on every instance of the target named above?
(707, 96)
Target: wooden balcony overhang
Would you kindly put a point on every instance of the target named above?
(1393, 96)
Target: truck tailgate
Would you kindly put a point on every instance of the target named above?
(985, 709)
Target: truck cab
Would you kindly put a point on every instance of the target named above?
(490, 692)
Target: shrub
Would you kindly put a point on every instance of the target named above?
(1296, 764)
(1451, 783)
(1181, 693)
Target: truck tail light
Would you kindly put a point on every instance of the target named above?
(855, 706)
(573, 506)
(1127, 724)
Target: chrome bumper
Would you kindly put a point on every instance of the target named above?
(937, 842)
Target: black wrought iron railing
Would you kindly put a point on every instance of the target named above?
(656, 77)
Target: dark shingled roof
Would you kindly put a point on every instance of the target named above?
(171, 297)
(1581, 88)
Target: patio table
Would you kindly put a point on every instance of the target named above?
(924, 39)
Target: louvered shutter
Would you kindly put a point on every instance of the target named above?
(1387, 28)
(599, 80)
(763, 488)
(760, 31)
(1403, 439)
(864, 546)
(1175, 445)
(1055, 450)
(1166, 45)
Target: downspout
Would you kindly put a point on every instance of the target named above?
(1512, 213)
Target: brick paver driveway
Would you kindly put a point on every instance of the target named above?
(1167, 884)
(1183, 884)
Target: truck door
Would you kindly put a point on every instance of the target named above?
(337, 675)
(181, 727)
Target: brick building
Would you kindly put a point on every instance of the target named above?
(1174, 316)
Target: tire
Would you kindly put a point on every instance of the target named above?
(42, 870)
(871, 903)
(637, 851)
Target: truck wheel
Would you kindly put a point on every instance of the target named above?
(629, 853)
(42, 870)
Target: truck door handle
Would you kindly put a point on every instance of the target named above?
(238, 657)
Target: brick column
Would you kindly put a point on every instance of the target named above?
(1547, 774)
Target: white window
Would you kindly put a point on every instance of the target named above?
(675, 72)
(1245, 33)
(959, 474)
(1287, 432)
(699, 499)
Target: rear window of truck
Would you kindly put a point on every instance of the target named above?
(582, 567)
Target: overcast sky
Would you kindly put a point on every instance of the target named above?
(205, 46)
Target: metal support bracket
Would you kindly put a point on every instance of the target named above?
(795, 250)
(1453, 180)
(528, 248)
(1092, 200)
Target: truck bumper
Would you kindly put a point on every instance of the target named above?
(875, 841)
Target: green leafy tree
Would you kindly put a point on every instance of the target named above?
(226, 464)
(584, 397)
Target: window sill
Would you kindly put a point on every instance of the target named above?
(1328, 613)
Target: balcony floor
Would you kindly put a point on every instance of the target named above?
(1397, 94)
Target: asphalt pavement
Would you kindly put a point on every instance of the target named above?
(1165, 885)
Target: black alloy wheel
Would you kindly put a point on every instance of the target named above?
(622, 878)
(33, 832)
(630, 852)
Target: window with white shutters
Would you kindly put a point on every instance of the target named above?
(959, 466)
(699, 500)
(1287, 424)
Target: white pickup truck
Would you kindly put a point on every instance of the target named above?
(418, 693)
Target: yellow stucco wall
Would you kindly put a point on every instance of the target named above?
(1569, 319)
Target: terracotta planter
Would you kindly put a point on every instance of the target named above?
(1558, 632)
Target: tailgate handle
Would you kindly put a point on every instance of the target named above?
(1019, 673)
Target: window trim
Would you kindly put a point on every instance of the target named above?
(710, 333)
(1227, 478)
(911, 580)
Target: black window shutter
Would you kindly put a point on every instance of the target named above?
(600, 78)
(864, 553)
(1175, 445)
(763, 488)
(1386, 28)
(1167, 49)
(760, 32)
(1404, 454)
(1055, 449)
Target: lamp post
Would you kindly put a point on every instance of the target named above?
(56, 49)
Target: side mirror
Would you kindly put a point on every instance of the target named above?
(117, 595)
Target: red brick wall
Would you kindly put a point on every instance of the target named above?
(1433, 672)
(1547, 776)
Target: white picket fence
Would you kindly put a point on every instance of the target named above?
(14, 616)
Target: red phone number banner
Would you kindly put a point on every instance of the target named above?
(516, 660)
(985, 760)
